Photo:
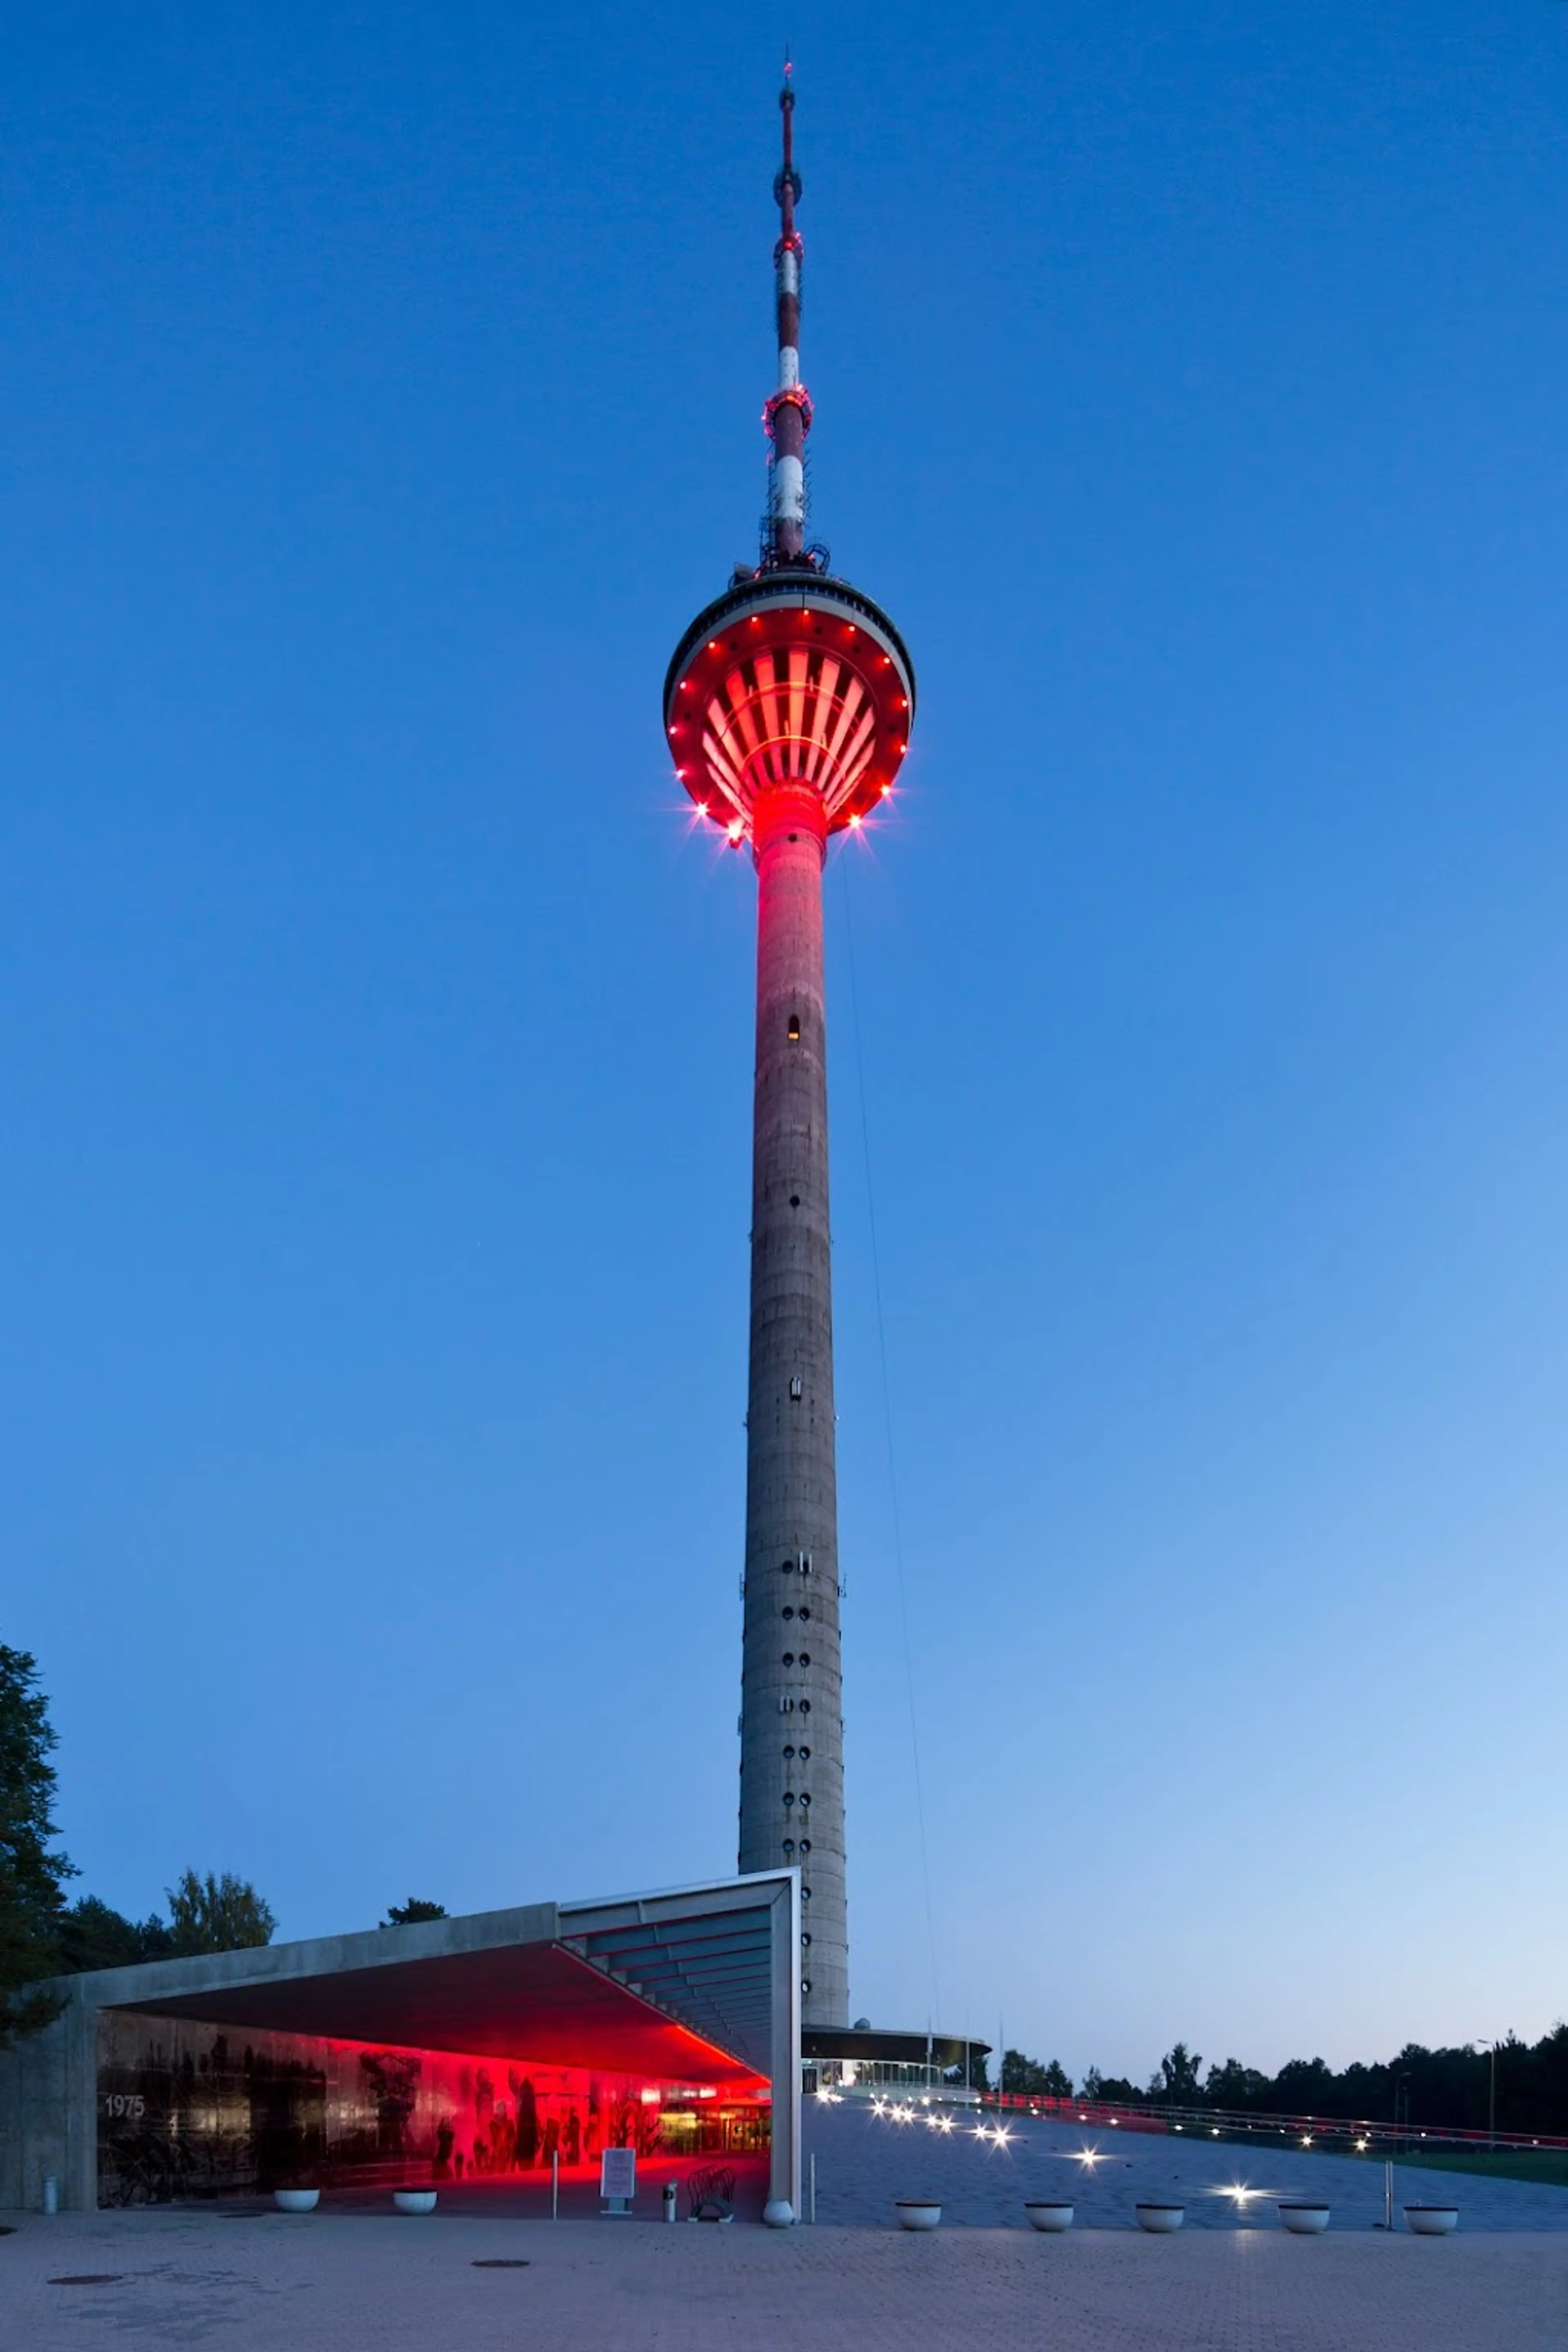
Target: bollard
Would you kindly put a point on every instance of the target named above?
(51, 2193)
(670, 2194)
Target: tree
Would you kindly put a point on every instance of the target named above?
(974, 2076)
(1304, 2087)
(32, 1870)
(1093, 2084)
(1116, 2091)
(94, 1935)
(1028, 2079)
(218, 1915)
(1177, 2081)
(409, 1914)
(1234, 2085)
(1018, 2072)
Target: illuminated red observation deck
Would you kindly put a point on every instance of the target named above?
(795, 682)
(787, 708)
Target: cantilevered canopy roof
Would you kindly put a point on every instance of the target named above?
(535, 1999)
(679, 1986)
(714, 1970)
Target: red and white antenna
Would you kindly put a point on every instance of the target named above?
(788, 412)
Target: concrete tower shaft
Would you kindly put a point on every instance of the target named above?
(791, 1738)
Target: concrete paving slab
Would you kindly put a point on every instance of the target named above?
(274, 2283)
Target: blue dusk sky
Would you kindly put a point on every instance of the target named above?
(378, 398)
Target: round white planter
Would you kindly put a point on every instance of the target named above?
(1045, 2216)
(296, 2201)
(1431, 2221)
(1160, 2219)
(1306, 2220)
(917, 2212)
(778, 2213)
(413, 2200)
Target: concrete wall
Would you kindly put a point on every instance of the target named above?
(48, 2108)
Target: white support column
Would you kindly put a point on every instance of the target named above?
(783, 2175)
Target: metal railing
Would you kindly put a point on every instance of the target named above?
(1360, 2134)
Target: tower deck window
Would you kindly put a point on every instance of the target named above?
(794, 1028)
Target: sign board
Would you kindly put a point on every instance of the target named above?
(618, 2172)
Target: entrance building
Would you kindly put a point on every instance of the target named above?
(518, 2042)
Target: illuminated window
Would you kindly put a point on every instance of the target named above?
(804, 1799)
(794, 1017)
(805, 1846)
(804, 1754)
(805, 1657)
(805, 1890)
(805, 1943)
(796, 1388)
(803, 1615)
(805, 1984)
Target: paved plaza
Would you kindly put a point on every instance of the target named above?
(345, 2283)
(488, 2269)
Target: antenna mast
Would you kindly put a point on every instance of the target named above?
(787, 415)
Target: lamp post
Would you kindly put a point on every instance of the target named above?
(1481, 2043)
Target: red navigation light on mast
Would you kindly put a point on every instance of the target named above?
(787, 710)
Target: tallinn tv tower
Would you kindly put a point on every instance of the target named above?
(787, 708)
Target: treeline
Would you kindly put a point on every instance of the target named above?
(1419, 2087)
(215, 1914)
(42, 1935)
